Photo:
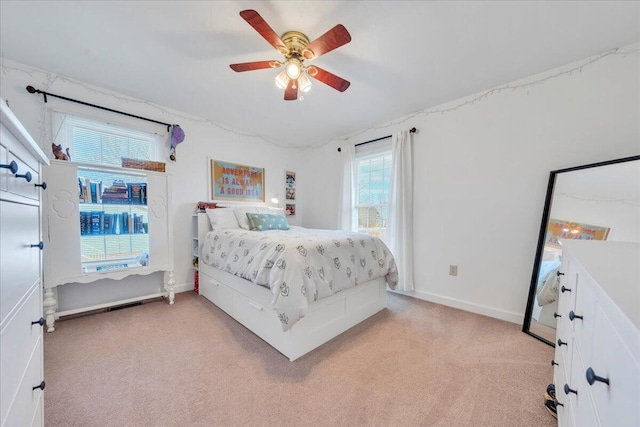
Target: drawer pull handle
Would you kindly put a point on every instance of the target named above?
(13, 167)
(592, 377)
(553, 362)
(563, 289)
(572, 316)
(559, 274)
(26, 176)
(39, 245)
(556, 315)
(214, 283)
(40, 386)
(43, 185)
(40, 322)
(561, 343)
(568, 390)
(256, 306)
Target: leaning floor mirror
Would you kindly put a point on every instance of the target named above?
(599, 201)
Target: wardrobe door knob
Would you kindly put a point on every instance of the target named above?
(26, 176)
(592, 377)
(553, 362)
(556, 315)
(40, 322)
(561, 343)
(572, 316)
(39, 245)
(568, 390)
(559, 274)
(40, 386)
(43, 185)
(559, 404)
(13, 167)
(563, 289)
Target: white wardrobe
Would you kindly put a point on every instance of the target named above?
(21, 344)
(597, 357)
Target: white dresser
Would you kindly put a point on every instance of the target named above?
(597, 356)
(21, 352)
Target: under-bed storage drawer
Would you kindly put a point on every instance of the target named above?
(260, 319)
(216, 292)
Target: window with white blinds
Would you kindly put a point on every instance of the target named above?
(99, 143)
(373, 175)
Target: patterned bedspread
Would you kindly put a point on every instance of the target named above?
(299, 265)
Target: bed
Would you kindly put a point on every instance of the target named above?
(297, 288)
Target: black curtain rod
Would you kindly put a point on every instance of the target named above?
(412, 130)
(31, 89)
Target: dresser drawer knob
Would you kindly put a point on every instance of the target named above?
(559, 404)
(563, 289)
(568, 390)
(556, 315)
(26, 176)
(39, 245)
(592, 377)
(559, 274)
(40, 322)
(13, 167)
(554, 363)
(572, 316)
(561, 343)
(40, 386)
(43, 185)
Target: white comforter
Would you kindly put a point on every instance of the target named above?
(299, 265)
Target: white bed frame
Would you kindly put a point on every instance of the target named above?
(250, 305)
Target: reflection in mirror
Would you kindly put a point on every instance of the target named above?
(592, 202)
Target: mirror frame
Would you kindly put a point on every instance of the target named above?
(526, 325)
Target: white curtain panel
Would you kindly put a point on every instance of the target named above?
(400, 226)
(346, 203)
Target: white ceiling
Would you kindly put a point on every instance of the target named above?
(404, 55)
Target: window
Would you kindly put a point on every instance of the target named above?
(373, 174)
(99, 143)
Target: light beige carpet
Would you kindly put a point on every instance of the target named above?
(190, 364)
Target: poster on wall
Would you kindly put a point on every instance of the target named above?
(290, 191)
(561, 229)
(235, 183)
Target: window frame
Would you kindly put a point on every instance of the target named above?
(379, 150)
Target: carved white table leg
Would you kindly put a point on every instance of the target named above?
(49, 305)
(169, 287)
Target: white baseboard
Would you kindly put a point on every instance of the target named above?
(496, 313)
(185, 287)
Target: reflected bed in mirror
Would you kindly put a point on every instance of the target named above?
(599, 201)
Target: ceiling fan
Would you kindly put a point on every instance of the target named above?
(296, 49)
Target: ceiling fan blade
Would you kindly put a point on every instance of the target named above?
(291, 92)
(338, 83)
(258, 65)
(332, 39)
(254, 19)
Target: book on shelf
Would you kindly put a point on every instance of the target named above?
(137, 192)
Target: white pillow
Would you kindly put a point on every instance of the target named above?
(241, 214)
(222, 218)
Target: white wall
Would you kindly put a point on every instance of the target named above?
(482, 171)
(203, 139)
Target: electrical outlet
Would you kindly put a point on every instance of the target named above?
(453, 270)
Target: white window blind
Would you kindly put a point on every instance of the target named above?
(373, 175)
(99, 143)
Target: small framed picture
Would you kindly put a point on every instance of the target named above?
(290, 179)
(291, 209)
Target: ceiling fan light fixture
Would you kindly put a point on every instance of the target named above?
(293, 68)
(304, 83)
(282, 80)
